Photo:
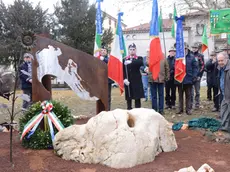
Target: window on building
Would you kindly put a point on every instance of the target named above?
(134, 36)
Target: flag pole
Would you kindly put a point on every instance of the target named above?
(126, 69)
(164, 39)
(127, 76)
(163, 32)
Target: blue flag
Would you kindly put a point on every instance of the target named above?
(179, 38)
(154, 25)
(99, 18)
(180, 63)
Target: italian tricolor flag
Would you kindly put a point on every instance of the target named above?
(97, 45)
(204, 40)
(115, 64)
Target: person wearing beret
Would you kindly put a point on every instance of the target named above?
(170, 87)
(196, 87)
(186, 85)
(104, 57)
(132, 78)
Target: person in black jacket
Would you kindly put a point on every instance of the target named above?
(211, 66)
(104, 57)
(132, 78)
(170, 87)
(209, 85)
(186, 85)
(25, 75)
(200, 60)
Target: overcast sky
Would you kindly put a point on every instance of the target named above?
(134, 14)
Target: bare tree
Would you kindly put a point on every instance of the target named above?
(182, 5)
(203, 5)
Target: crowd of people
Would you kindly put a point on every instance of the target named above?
(138, 79)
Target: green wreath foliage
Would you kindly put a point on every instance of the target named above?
(42, 139)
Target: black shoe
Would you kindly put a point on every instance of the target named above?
(162, 112)
(197, 108)
(180, 112)
(173, 107)
(188, 112)
(215, 110)
(167, 107)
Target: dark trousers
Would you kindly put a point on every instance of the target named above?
(25, 104)
(109, 94)
(216, 98)
(187, 89)
(137, 103)
(170, 89)
(209, 93)
(157, 93)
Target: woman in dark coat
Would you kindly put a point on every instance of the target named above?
(132, 78)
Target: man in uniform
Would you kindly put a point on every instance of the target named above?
(132, 77)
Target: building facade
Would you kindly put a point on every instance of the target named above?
(193, 30)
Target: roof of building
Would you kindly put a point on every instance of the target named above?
(167, 25)
(113, 18)
(196, 13)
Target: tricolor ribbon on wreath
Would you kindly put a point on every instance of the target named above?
(32, 125)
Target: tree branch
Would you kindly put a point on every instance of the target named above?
(199, 9)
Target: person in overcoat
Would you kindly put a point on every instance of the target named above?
(186, 85)
(132, 78)
(224, 68)
(213, 79)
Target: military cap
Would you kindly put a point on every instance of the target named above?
(132, 46)
(103, 46)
